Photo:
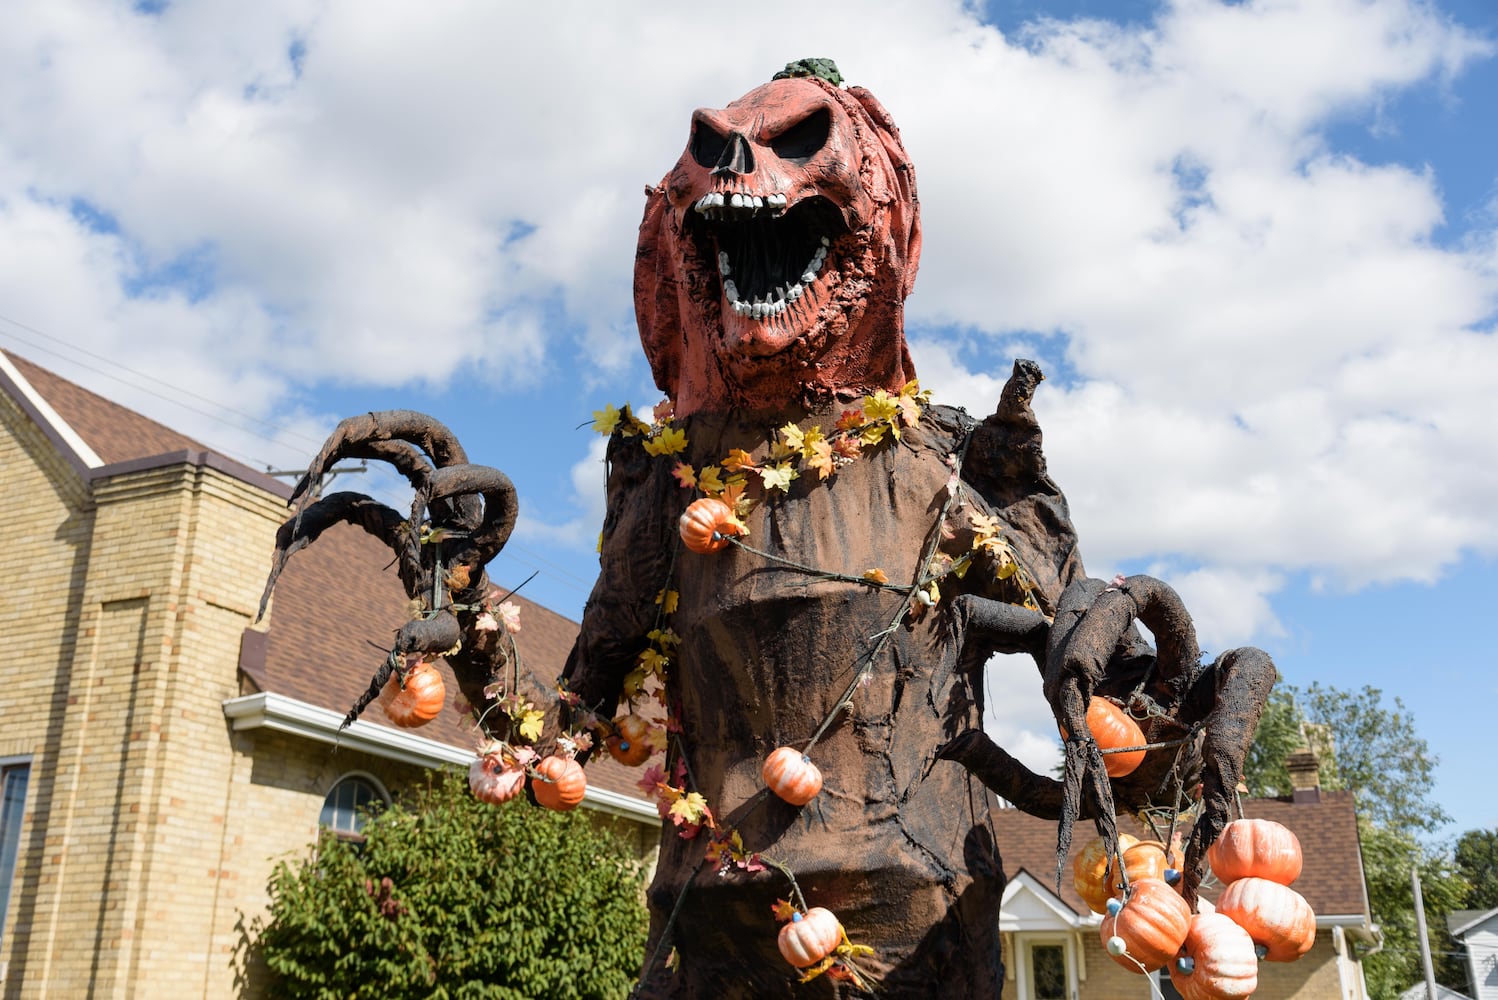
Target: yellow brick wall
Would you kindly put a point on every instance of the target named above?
(45, 529)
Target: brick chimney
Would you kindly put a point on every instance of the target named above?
(1305, 775)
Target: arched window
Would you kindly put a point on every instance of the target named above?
(348, 803)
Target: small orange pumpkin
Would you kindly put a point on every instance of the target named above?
(810, 937)
(1256, 848)
(1217, 961)
(1275, 916)
(1112, 727)
(561, 783)
(790, 774)
(1091, 868)
(627, 743)
(1151, 924)
(707, 524)
(493, 779)
(419, 701)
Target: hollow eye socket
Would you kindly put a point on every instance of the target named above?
(801, 141)
(707, 144)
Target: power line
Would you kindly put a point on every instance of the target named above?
(380, 487)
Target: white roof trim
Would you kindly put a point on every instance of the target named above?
(278, 713)
(64, 431)
(1057, 915)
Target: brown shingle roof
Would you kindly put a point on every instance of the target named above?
(1331, 879)
(115, 433)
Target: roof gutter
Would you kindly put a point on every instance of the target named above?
(278, 713)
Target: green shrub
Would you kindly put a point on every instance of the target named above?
(451, 897)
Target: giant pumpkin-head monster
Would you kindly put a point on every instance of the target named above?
(775, 257)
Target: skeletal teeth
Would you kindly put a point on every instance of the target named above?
(815, 265)
(717, 197)
(759, 202)
(826, 242)
(821, 253)
(730, 291)
(723, 267)
(795, 292)
(808, 277)
(737, 201)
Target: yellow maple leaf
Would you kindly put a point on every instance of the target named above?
(778, 477)
(819, 457)
(606, 419)
(665, 638)
(984, 524)
(684, 474)
(738, 459)
(793, 436)
(872, 434)
(690, 808)
(668, 600)
(880, 406)
(876, 575)
(783, 910)
(653, 661)
(708, 481)
(634, 681)
(529, 724)
(668, 442)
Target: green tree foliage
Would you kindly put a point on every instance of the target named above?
(1378, 754)
(1477, 862)
(452, 898)
(1388, 857)
(1279, 734)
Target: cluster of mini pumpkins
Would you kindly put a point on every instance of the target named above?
(498, 774)
(1211, 956)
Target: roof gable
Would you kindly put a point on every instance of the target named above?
(109, 432)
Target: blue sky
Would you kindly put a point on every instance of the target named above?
(1254, 245)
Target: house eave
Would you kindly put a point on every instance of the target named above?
(278, 713)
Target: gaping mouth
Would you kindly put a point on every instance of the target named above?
(768, 255)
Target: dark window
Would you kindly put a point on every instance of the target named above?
(1048, 962)
(13, 780)
(347, 806)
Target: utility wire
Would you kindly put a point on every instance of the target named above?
(384, 492)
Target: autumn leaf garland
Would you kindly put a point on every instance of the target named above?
(794, 450)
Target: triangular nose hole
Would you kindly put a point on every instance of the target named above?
(737, 157)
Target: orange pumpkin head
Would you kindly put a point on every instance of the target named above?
(790, 774)
(560, 783)
(774, 259)
(627, 744)
(1217, 961)
(1276, 916)
(1255, 848)
(707, 524)
(419, 701)
(810, 937)
(1151, 925)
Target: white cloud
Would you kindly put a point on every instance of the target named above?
(1272, 364)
